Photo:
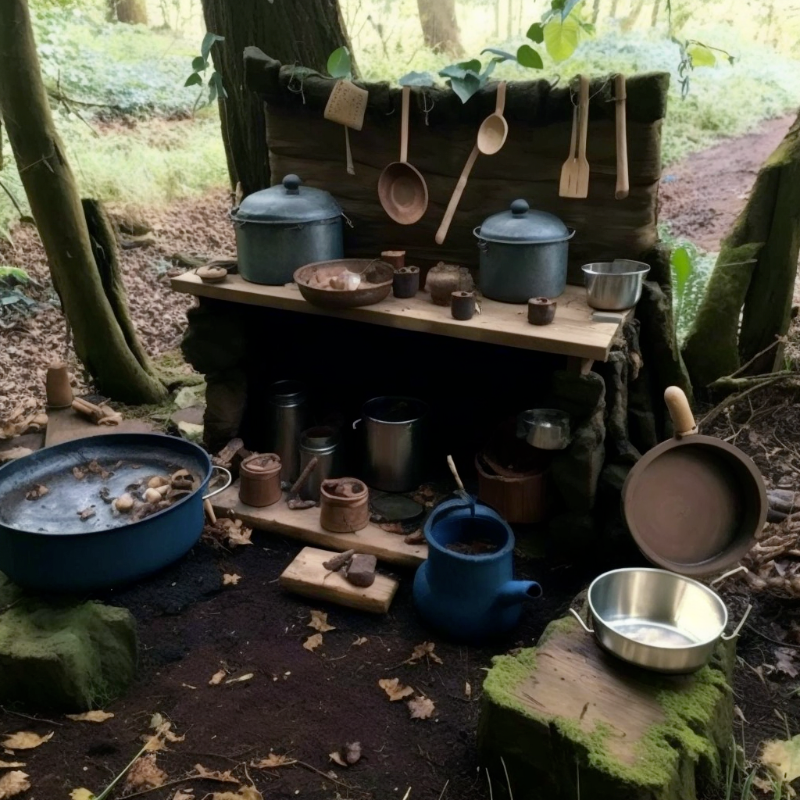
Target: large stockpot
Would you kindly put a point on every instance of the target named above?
(523, 254)
(283, 228)
(396, 439)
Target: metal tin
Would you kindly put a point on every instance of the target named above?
(288, 414)
(280, 229)
(545, 428)
(523, 254)
(321, 443)
(614, 285)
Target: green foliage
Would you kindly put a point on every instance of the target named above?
(340, 64)
(201, 64)
(561, 37)
(466, 77)
(417, 79)
(13, 272)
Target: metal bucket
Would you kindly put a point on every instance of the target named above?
(395, 429)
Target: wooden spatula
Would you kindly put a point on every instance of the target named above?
(563, 186)
(620, 95)
(576, 182)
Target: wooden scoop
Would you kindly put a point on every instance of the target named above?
(491, 138)
(620, 95)
(575, 172)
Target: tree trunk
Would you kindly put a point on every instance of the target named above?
(99, 338)
(656, 11)
(440, 26)
(302, 32)
(596, 11)
(133, 12)
(754, 275)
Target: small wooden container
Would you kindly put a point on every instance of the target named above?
(405, 282)
(344, 505)
(462, 305)
(57, 386)
(260, 480)
(541, 310)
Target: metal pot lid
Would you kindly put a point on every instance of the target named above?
(520, 225)
(288, 202)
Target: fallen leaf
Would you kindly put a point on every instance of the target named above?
(319, 622)
(214, 775)
(183, 794)
(240, 679)
(145, 773)
(784, 662)
(424, 650)
(421, 707)
(394, 688)
(81, 794)
(352, 752)
(231, 580)
(273, 761)
(91, 716)
(768, 787)
(336, 756)
(11, 764)
(467, 690)
(359, 641)
(36, 491)
(217, 677)
(245, 793)
(13, 783)
(163, 728)
(782, 758)
(313, 641)
(87, 513)
(25, 740)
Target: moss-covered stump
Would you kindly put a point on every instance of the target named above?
(570, 721)
(64, 656)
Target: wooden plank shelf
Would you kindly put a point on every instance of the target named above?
(573, 333)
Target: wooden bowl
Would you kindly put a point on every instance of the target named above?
(376, 282)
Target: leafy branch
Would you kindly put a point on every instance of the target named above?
(200, 66)
(340, 64)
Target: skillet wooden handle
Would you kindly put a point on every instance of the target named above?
(441, 234)
(680, 412)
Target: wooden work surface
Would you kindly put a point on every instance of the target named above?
(65, 425)
(304, 525)
(571, 334)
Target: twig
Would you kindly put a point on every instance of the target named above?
(329, 778)
(69, 108)
(769, 639)
(28, 716)
(304, 475)
(12, 199)
(444, 788)
(175, 783)
(740, 371)
(735, 398)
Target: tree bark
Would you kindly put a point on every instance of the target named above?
(132, 12)
(99, 339)
(440, 26)
(302, 32)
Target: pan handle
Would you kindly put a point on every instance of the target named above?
(680, 412)
(739, 627)
(580, 619)
(228, 482)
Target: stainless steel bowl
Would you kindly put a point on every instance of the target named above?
(614, 285)
(657, 619)
(545, 428)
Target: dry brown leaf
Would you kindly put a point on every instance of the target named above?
(784, 662)
(214, 775)
(467, 690)
(240, 679)
(230, 580)
(273, 761)
(313, 641)
(394, 688)
(424, 650)
(352, 752)
(319, 622)
(145, 773)
(11, 764)
(91, 716)
(183, 794)
(782, 759)
(217, 677)
(245, 793)
(25, 740)
(163, 729)
(359, 641)
(337, 757)
(421, 707)
(13, 783)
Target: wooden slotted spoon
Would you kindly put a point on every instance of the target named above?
(575, 172)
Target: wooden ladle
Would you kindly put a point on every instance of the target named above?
(491, 137)
(401, 188)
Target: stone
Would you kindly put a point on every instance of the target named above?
(361, 571)
(569, 720)
(62, 655)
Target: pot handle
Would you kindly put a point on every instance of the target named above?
(483, 245)
(355, 423)
(222, 488)
(739, 627)
(580, 619)
(680, 412)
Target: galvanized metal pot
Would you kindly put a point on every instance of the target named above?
(523, 254)
(283, 228)
(657, 619)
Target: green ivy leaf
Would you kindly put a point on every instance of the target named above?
(528, 57)
(193, 80)
(208, 43)
(417, 79)
(484, 76)
(465, 87)
(682, 268)
(701, 55)
(502, 55)
(536, 33)
(561, 38)
(13, 272)
(340, 65)
(212, 91)
(199, 64)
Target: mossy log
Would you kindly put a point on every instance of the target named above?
(567, 720)
(754, 275)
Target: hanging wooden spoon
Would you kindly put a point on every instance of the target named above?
(620, 95)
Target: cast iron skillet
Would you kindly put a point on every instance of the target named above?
(44, 544)
(694, 504)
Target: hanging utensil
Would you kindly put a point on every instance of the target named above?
(401, 188)
(491, 137)
(347, 105)
(575, 183)
(566, 177)
(620, 95)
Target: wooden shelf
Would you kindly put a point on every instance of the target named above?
(571, 334)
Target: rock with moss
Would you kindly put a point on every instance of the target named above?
(62, 655)
(567, 720)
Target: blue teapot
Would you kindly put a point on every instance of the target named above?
(468, 595)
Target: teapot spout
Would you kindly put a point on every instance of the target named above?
(513, 592)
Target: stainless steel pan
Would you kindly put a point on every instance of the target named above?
(657, 619)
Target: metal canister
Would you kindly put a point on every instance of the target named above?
(288, 411)
(321, 443)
